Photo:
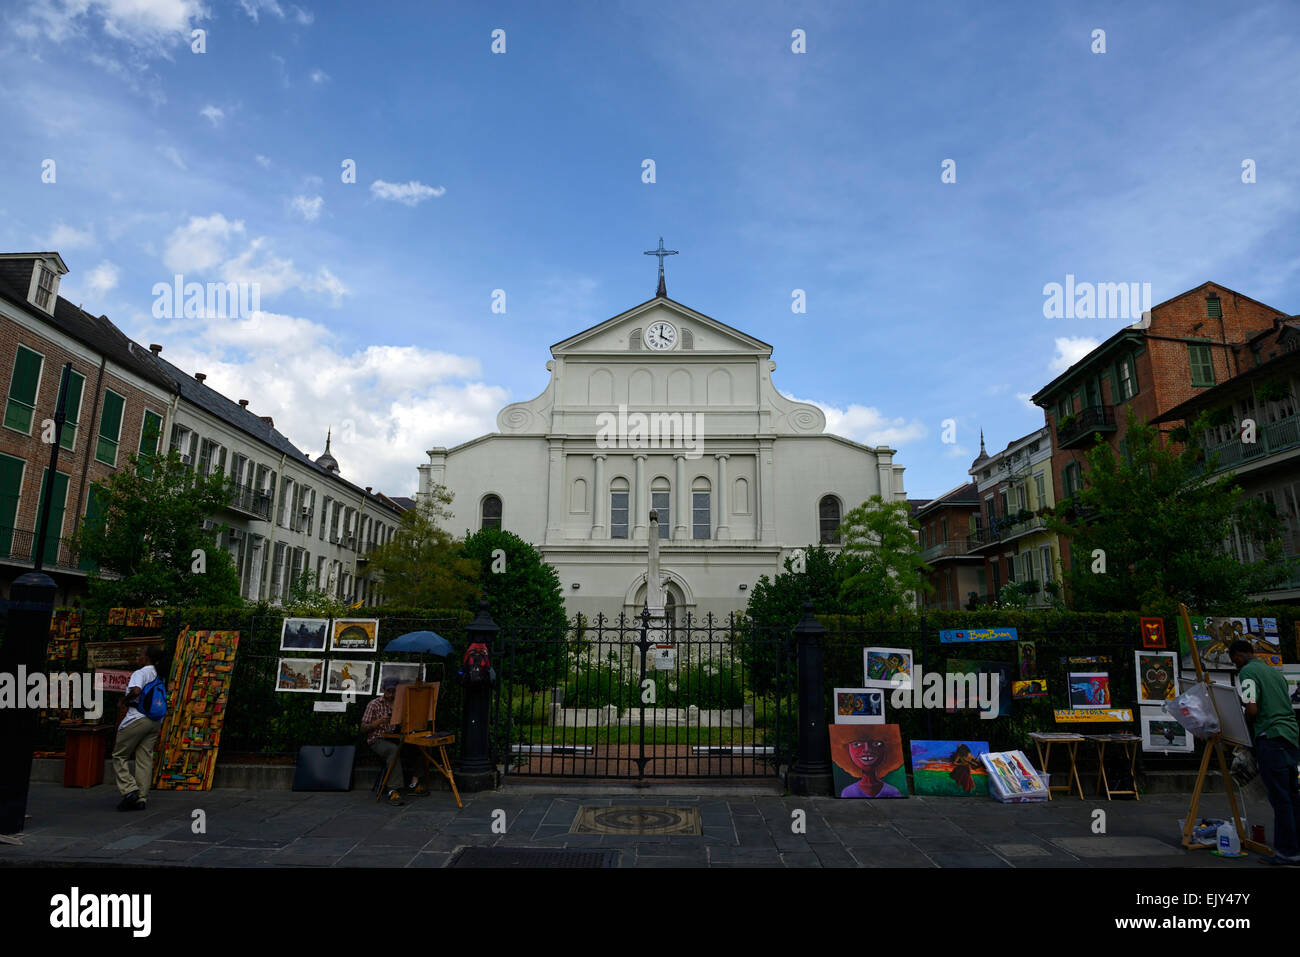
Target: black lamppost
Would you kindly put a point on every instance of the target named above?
(31, 603)
(811, 773)
(474, 770)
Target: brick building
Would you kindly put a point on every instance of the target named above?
(946, 527)
(1181, 348)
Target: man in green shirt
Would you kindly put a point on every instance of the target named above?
(1277, 746)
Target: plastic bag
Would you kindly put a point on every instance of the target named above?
(1194, 710)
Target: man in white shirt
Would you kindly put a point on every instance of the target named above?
(136, 736)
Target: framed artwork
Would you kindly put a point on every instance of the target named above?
(300, 674)
(1027, 653)
(998, 671)
(358, 635)
(1157, 676)
(1012, 778)
(859, 706)
(340, 671)
(887, 667)
(1032, 688)
(304, 634)
(1153, 632)
(1160, 732)
(867, 761)
(407, 672)
(1089, 689)
(950, 768)
(1292, 675)
(198, 689)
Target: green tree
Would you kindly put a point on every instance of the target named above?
(422, 565)
(882, 536)
(148, 530)
(306, 600)
(526, 600)
(1161, 523)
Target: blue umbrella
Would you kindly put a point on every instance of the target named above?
(423, 642)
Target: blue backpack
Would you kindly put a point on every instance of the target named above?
(153, 700)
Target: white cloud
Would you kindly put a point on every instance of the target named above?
(308, 207)
(263, 161)
(866, 424)
(1028, 402)
(319, 76)
(64, 236)
(1070, 349)
(958, 452)
(214, 113)
(254, 8)
(304, 17)
(200, 244)
(385, 403)
(154, 25)
(171, 153)
(409, 194)
(102, 278)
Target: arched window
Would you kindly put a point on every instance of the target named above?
(634, 341)
(701, 510)
(660, 500)
(670, 614)
(828, 512)
(618, 490)
(491, 514)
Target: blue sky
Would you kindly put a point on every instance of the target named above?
(522, 171)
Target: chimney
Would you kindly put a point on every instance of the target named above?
(243, 403)
(268, 420)
(368, 489)
(155, 348)
(200, 376)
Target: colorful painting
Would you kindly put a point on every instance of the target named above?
(867, 761)
(1012, 777)
(1292, 675)
(1160, 732)
(1092, 715)
(406, 672)
(967, 666)
(300, 674)
(977, 634)
(117, 616)
(859, 706)
(1153, 632)
(949, 768)
(1214, 635)
(355, 634)
(887, 667)
(1027, 654)
(1157, 676)
(1089, 689)
(303, 634)
(1032, 688)
(345, 676)
(197, 691)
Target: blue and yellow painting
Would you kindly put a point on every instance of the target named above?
(950, 768)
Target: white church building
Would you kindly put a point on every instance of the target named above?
(664, 408)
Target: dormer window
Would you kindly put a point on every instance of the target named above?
(45, 289)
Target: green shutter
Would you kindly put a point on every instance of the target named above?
(54, 526)
(73, 410)
(11, 483)
(96, 506)
(150, 433)
(22, 390)
(1202, 366)
(110, 428)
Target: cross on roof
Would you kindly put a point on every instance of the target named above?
(661, 253)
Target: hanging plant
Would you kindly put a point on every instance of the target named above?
(1274, 391)
(1221, 415)
(1065, 425)
(1180, 434)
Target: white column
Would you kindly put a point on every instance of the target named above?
(640, 501)
(723, 531)
(765, 506)
(885, 471)
(681, 501)
(555, 497)
(600, 501)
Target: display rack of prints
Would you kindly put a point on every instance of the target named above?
(63, 654)
(198, 688)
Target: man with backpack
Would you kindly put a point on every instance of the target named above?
(142, 712)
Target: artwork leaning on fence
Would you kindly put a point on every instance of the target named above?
(867, 761)
(949, 768)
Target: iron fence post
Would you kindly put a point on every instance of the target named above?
(26, 636)
(811, 773)
(474, 770)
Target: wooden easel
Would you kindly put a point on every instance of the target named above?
(1213, 745)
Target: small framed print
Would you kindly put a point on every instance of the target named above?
(357, 635)
(1157, 676)
(1153, 632)
(887, 667)
(859, 706)
(406, 672)
(304, 634)
(349, 676)
(300, 674)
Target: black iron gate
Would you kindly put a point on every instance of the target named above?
(645, 698)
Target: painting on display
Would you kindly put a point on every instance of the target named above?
(867, 761)
(300, 674)
(355, 634)
(887, 667)
(1213, 636)
(1033, 688)
(345, 676)
(1012, 778)
(304, 634)
(949, 768)
(1160, 732)
(949, 636)
(1089, 689)
(1153, 632)
(1027, 653)
(1292, 675)
(998, 671)
(1157, 676)
(197, 691)
(406, 672)
(859, 706)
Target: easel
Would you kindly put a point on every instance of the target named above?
(1213, 745)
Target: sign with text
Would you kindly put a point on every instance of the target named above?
(978, 634)
(1071, 715)
(118, 654)
(113, 679)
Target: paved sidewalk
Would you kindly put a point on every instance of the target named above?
(742, 827)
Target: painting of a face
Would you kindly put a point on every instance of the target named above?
(866, 754)
(867, 761)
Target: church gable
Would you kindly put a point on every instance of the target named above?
(636, 329)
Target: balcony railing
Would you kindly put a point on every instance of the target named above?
(1270, 439)
(949, 549)
(19, 545)
(1004, 528)
(1081, 425)
(251, 501)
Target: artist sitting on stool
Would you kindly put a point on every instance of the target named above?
(1277, 747)
(378, 718)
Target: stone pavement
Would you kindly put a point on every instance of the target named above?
(742, 827)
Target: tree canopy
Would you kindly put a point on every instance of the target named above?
(882, 537)
(423, 565)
